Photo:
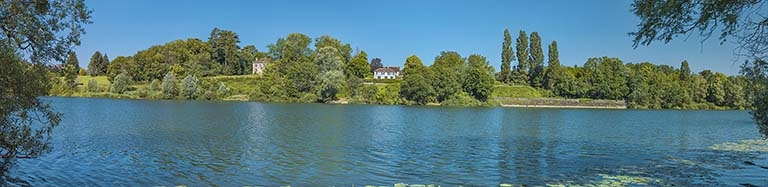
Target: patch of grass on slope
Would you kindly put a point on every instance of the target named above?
(516, 91)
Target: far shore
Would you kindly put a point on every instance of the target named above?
(345, 102)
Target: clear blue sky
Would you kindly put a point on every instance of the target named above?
(394, 30)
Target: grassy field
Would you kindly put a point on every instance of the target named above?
(237, 84)
(83, 80)
(502, 90)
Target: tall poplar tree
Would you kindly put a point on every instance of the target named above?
(536, 62)
(507, 56)
(521, 72)
(554, 73)
(685, 71)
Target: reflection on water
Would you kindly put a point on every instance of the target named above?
(105, 142)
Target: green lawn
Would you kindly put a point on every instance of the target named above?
(237, 84)
(516, 91)
(102, 80)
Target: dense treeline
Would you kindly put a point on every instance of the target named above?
(220, 55)
(330, 72)
(300, 74)
(642, 85)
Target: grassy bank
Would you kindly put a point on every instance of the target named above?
(515, 91)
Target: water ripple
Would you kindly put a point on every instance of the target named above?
(151, 143)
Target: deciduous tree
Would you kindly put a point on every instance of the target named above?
(415, 86)
(477, 80)
(331, 77)
(121, 84)
(445, 73)
(93, 86)
(343, 50)
(743, 20)
(170, 88)
(190, 86)
(358, 67)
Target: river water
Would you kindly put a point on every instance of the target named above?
(107, 142)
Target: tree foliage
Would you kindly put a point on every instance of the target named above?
(93, 86)
(445, 73)
(191, 56)
(665, 20)
(225, 51)
(26, 120)
(331, 77)
(477, 80)
(98, 64)
(757, 73)
(190, 87)
(170, 87)
(71, 70)
(554, 74)
(521, 71)
(685, 71)
(291, 48)
(343, 50)
(608, 78)
(155, 85)
(507, 56)
(358, 67)
(376, 64)
(743, 20)
(122, 64)
(415, 86)
(121, 84)
(536, 61)
(248, 55)
(43, 31)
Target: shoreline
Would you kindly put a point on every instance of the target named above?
(561, 106)
(344, 102)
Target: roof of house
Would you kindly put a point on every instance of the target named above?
(387, 69)
(397, 69)
(262, 60)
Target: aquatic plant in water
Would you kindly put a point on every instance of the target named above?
(756, 145)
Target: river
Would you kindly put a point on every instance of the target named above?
(112, 142)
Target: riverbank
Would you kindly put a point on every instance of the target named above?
(560, 103)
(256, 88)
(244, 98)
(560, 106)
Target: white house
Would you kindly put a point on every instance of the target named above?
(259, 65)
(386, 73)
